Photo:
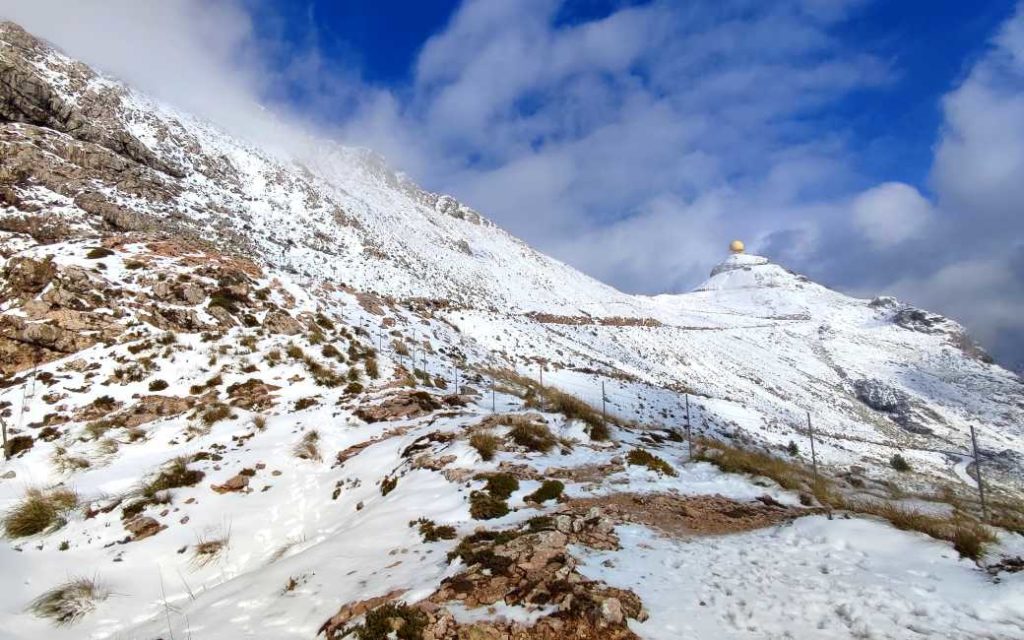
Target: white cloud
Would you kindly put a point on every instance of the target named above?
(980, 158)
(891, 213)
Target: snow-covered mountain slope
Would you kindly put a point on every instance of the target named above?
(756, 341)
(233, 377)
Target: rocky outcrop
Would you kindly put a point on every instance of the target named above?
(279, 321)
(894, 402)
(142, 527)
(528, 568)
(27, 97)
(403, 405)
(26, 277)
(252, 395)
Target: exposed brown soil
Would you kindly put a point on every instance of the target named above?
(689, 515)
(611, 321)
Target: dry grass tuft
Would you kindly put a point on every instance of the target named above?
(176, 473)
(69, 602)
(67, 463)
(38, 511)
(215, 413)
(532, 435)
(789, 475)
(551, 399)
(309, 447)
(486, 444)
(969, 537)
(208, 551)
(644, 458)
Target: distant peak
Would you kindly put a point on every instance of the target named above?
(738, 260)
(746, 271)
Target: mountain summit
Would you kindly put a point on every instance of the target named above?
(265, 396)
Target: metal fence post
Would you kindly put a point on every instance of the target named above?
(689, 431)
(604, 413)
(493, 404)
(977, 471)
(814, 456)
(3, 427)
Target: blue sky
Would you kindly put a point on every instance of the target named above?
(929, 42)
(875, 145)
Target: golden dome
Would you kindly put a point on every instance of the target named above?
(736, 246)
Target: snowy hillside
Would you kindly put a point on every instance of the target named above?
(269, 396)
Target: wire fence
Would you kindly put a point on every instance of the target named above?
(620, 406)
(625, 407)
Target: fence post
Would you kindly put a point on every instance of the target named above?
(977, 471)
(492, 397)
(604, 413)
(689, 432)
(3, 427)
(540, 367)
(814, 456)
(456, 380)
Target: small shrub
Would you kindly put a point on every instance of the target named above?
(17, 444)
(899, 463)
(970, 540)
(388, 484)
(792, 449)
(217, 412)
(322, 375)
(484, 506)
(353, 388)
(533, 435)
(175, 473)
(501, 485)
(158, 385)
(105, 403)
(549, 490)
(96, 253)
(39, 511)
(294, 352)
(370, 364)
(486, 444)
(431, 532)
(643, 458)
(330, 351)
(69, 602)
(392, 621)
(305, 403)
(324, 321)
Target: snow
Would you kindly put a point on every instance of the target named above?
(814, 578)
